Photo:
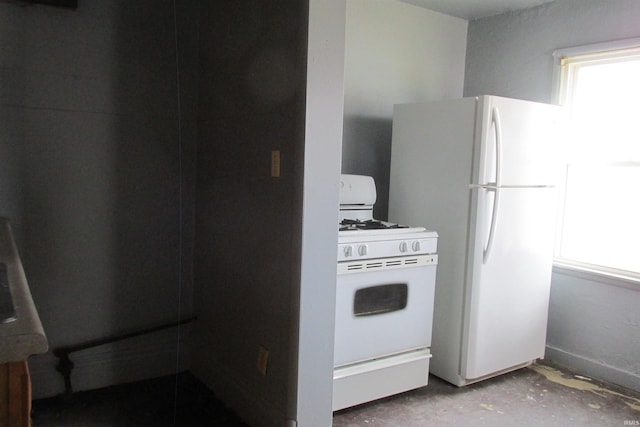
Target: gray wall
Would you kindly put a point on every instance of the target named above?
(95, 178)
(594, 324)
(395, 53)
(251, 281)
(98, 149)
(100, 116)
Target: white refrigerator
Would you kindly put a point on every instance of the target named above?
(482, 172)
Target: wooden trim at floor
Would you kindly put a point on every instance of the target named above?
(15, 394)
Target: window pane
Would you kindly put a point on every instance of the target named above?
(605, 111)
(601, 223)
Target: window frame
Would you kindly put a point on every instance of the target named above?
(581, 54)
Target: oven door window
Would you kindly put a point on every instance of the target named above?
(380, 299)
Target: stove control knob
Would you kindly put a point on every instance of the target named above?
(348, 251)
(403, 247)
(362, 250)
(415, 246)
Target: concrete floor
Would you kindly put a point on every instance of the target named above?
(539, 395)
(173, 401)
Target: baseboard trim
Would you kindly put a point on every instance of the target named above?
(132, 360)
(594, 369)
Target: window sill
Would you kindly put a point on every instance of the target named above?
(593, 274)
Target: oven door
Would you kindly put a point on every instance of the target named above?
(383, 307)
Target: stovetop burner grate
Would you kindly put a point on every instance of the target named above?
(369, 224)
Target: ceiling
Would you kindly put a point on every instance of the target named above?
(474, 9)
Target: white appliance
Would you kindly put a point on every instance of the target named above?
(481, 172)
(384, 300)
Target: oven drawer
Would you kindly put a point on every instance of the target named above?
(363, 382)
(383, 312)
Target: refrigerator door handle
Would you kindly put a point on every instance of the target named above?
(495, 120)
(494, 219)
(494, 186)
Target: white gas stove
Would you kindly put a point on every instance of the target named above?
(384, 300)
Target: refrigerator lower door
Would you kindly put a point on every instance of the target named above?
(508, 291)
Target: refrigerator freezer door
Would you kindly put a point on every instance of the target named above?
(508, 298)
(529, 142)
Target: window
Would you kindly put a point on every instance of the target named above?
(599, 225)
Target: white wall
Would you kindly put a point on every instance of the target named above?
(315, 304)
(395, 53)
(594, 325)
